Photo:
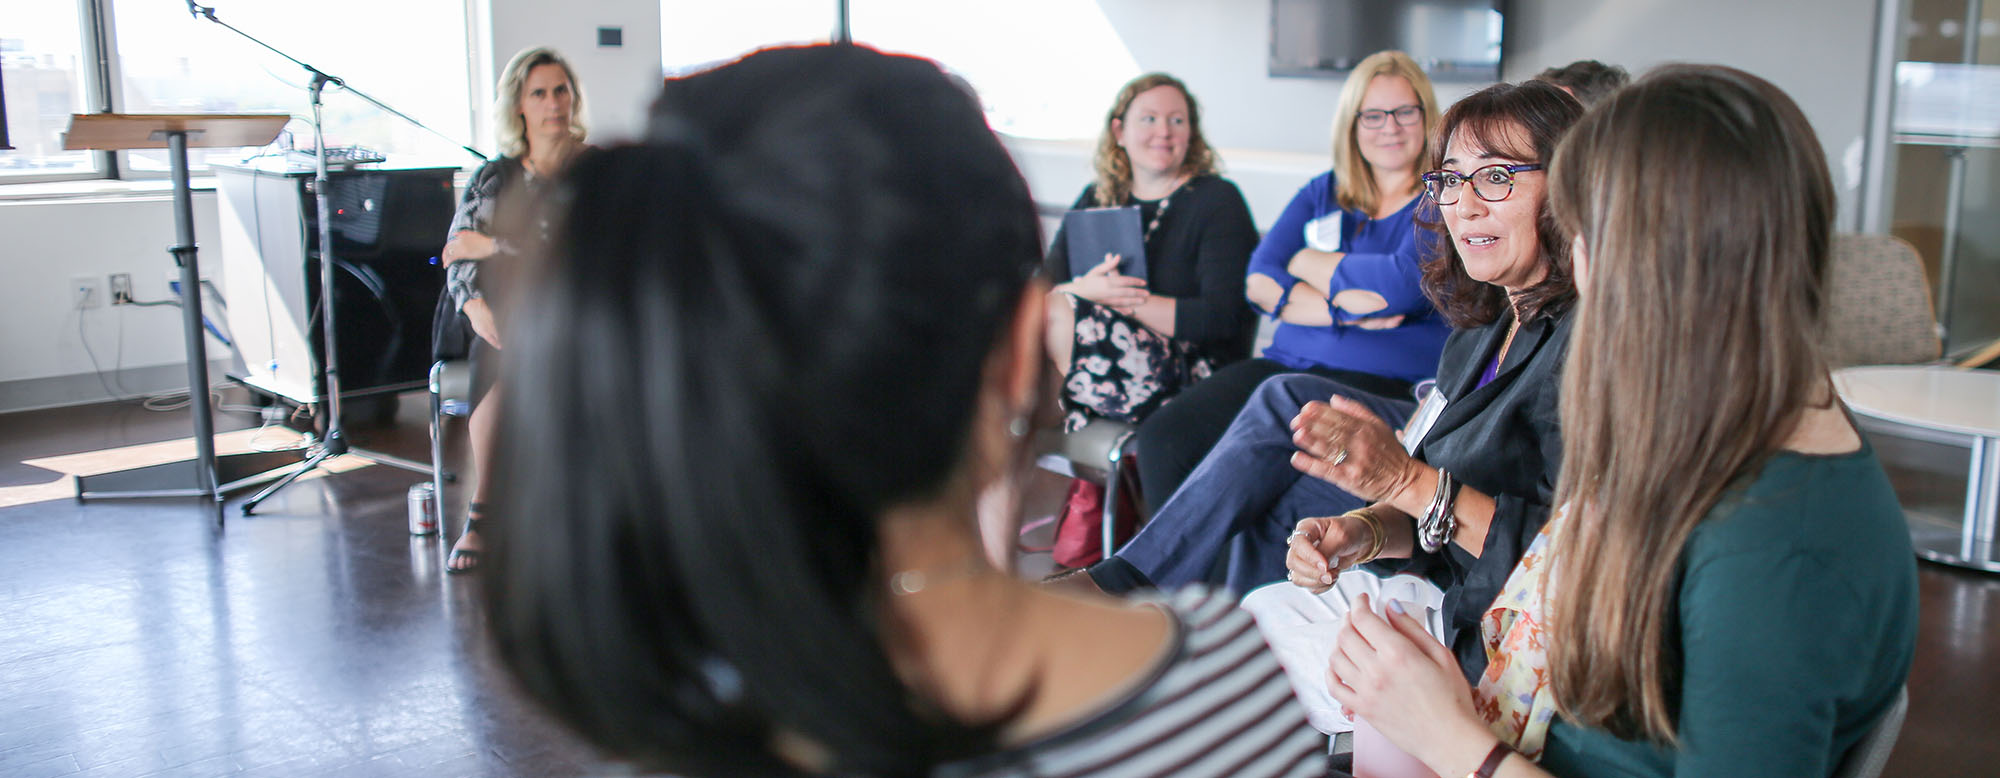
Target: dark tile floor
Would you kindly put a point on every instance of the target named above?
(315, 638)
(319, 638)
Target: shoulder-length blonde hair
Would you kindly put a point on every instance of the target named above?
(1114, 168)
(512, 131)
(1706, 211)
(1355, 177)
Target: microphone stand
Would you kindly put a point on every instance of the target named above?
(334, 442)
(321, 79)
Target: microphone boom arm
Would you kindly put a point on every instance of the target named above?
(321, 76)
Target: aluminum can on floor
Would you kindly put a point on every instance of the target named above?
(423, 509)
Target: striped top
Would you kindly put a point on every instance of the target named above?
(1218, 704)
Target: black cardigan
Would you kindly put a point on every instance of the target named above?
(1504, 440)
(1197, 256)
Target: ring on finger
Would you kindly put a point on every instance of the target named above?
(1337, 457)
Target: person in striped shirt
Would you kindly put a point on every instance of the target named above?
(795, 337)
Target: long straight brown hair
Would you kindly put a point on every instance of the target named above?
(1706, 212)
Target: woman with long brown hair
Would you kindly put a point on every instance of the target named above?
(1729, 590)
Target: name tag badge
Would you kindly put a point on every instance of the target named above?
(1429, 407)
(1323, 233)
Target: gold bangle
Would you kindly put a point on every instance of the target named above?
(1379, 539)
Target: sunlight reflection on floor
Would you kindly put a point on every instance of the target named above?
(106, 460)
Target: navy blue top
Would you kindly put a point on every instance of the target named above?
(1382, 257)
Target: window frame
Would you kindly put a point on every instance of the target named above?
(95, 80)
(103, 70)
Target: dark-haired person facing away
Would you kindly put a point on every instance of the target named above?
(794, 335)
(1729, 590)
(1587, 80)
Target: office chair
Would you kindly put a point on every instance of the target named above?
(1867, 758)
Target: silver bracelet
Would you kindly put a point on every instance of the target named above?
(1439, 524)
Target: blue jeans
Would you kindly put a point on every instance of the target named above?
(1243, 499)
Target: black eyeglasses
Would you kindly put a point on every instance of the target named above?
(1492, 183)
(1374, 118)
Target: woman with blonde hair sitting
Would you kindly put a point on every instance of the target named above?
(1730, 589)
(504, 218)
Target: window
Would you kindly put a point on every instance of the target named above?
(166, 60)
(699, 34)
(1042, 68)
(48, 79)
(171, 62)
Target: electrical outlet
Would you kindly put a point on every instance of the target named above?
(86, 292)
(121, 288)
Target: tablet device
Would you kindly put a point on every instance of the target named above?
(1090, 233)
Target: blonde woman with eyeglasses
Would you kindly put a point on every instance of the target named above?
(1338, 272)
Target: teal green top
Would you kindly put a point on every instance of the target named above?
(1798, 619)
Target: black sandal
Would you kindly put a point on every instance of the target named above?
(475, 514)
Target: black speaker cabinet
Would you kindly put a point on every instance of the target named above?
(388, 227)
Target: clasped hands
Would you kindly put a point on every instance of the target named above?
(1105, 286)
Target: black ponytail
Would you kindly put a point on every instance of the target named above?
(762, 328)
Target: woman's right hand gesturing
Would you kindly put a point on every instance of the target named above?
(1321, 547)
(1103, 285)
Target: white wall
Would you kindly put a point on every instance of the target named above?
(1818, 51)
(42, 356)
(1220, 48)
(619, 83)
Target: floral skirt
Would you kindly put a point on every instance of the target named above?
(1121, 370)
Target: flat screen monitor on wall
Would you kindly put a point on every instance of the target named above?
(1454, 40)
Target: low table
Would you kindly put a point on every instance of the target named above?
(1953, 404)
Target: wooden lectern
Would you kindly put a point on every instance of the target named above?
(206, 475)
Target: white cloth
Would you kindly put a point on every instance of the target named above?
(1302, 627)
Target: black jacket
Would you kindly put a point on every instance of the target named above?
(1504, 440)
(1197, 256)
